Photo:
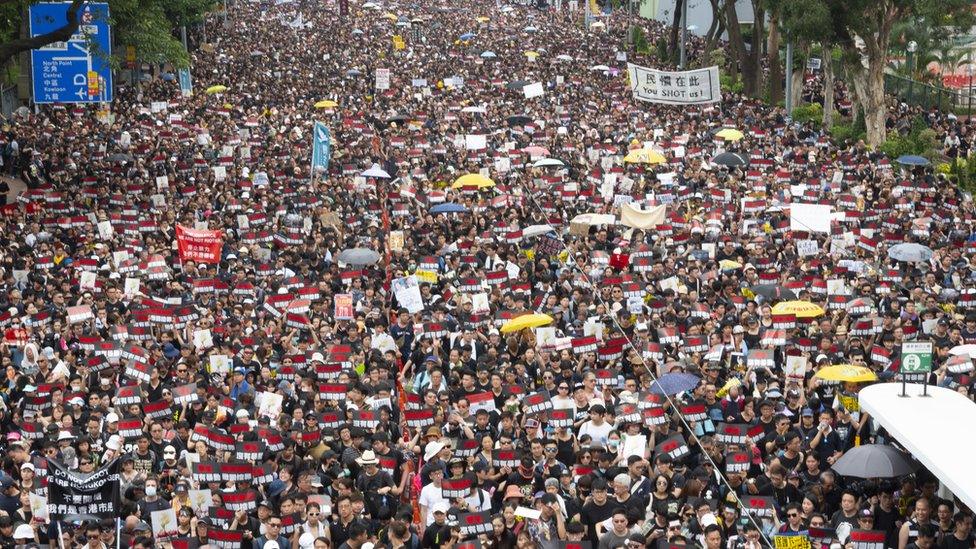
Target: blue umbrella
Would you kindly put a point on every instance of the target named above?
(674, 383)
(913, 160)
(910, 252)
(448, 207)
(467, 36)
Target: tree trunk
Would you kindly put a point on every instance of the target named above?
(675, 26)
(746, 61)
(796, 97)
(772, 59)
(718, 27)
(869, 84)
(757, 46)
(827, 66)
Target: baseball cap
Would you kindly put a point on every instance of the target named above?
(806, 412)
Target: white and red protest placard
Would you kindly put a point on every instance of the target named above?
(202, 246)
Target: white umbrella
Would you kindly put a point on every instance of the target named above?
(507, 9)
(959, 350)
(376, 171)
(536, 230)
(599, 68)
(547, 163)
(564, 57)
(480, 110)
(530, 28)
(488, 55)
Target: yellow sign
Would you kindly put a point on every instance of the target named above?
(426, 276)
(130, 56)
(398, 43)
(850, 403)
(92, 83)
(791, 542)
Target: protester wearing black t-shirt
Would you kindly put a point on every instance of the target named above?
(961, 537)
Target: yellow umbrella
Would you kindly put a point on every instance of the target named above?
(800, 309)
(526, 321)
(473, 179)
(532, 54)
(326, 104)
(390, 16)
(216, 89)
(644, 156)
(482, 19)
(846, 372)
(730, 134)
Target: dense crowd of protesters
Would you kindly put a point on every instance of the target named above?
(392, 429)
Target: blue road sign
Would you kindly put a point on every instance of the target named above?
(78, 70)
(186, 83)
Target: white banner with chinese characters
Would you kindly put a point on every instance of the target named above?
(675, 88)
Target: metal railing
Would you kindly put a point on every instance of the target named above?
(927, 96)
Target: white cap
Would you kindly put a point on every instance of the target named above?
(440, 507)
(241, 414)
(114, 443)
(76, 401)
(318, 357)
(28, 465)
(112, 417)
(65, 435)
(24, 531)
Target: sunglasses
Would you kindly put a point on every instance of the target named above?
(793, 515)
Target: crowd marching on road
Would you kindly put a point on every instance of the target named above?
(504, 304)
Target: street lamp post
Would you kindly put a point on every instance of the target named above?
(912, 46)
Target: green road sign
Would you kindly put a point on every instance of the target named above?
(916, 357)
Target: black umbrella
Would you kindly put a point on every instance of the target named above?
(874, 461)
(773, 292)
(517, 84)
(732, 160)
(119, 157)
(398, 119)
(518, 120)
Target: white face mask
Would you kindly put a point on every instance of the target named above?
(150, 491)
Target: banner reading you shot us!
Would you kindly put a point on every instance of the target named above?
(72, 496)
(675, 88)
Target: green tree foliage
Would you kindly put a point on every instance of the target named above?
(152, 27)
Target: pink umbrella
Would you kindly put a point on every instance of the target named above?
(536, 151)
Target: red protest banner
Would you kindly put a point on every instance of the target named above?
(197, 245)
